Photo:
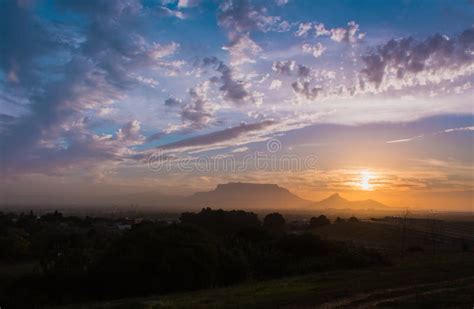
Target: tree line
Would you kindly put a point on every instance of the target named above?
(83, 259)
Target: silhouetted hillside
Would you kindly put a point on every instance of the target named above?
(335, 201)
(248, 196)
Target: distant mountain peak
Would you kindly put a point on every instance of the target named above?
(335, 197)
(335, 200)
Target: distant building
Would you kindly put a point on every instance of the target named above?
(124, 227)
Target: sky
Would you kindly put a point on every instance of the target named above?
(371, 99)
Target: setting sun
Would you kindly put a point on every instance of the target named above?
(364, 182)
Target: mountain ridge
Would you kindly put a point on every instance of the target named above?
(336, 201)
(247, 195)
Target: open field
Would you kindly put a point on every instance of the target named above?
(392, 237)
(16, 270)
(446, 229)
(444, 280)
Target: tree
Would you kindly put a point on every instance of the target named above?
(153, 258)
(13, 246)
(339, 220)
(220, 221)
(353, 219)
(318, 221)
(52, 217)
(465, 247)
(275, 223)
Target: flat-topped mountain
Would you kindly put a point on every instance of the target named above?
(248, 195)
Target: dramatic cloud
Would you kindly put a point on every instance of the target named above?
(242, 50)
(188, 3)
(276, 84)
(281, 2)
(233, 90)
(129, 134)
(24, 38)
(164, 11)
(240, 18)
(171, 102)
(317, 50)
(349, 34)
(304, 89)
(224, 136)
(452, 130)
(98, 70)
(302, 71)
(320, 30)
(155, 137)
(158, 51)
(404, 140)
(463, 129)
(408, 62)
(462, 88)
(196, 113)
(78, 148)
(284, 67)
(240, 149)
(6, 118)
(95, 84)
(303, 29)
(288, 67)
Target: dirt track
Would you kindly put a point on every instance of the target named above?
(387, 296)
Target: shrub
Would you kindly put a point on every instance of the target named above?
(318, 221)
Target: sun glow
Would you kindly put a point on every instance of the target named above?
(364, 180)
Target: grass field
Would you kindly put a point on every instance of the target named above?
(426, 280)
(9, 271)
(390, 237)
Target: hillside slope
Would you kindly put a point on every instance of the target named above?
(335, 201)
